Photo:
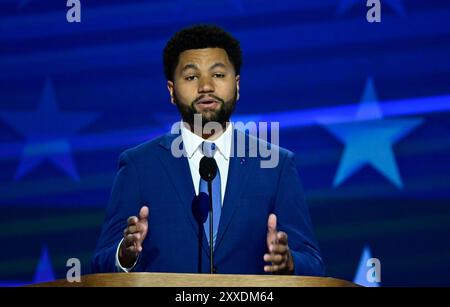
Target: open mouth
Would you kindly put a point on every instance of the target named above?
(207, 103)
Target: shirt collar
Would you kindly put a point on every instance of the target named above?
(192, 142)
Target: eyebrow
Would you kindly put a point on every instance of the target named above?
(193, 66)
(189, 66)
(217, 65)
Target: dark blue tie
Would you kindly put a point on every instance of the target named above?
(209, 149)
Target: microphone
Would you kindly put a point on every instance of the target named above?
(208, 171)
(208, 168)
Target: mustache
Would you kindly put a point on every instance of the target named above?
(210, 96)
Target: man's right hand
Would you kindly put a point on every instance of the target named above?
(133, 236)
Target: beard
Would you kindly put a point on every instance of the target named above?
(220, 115)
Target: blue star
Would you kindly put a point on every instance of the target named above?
(396, 5)
(44, 271)
(47, 131)
(361, 273)
(368, 139)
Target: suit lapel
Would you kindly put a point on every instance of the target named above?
(238, 173)
(180, 174)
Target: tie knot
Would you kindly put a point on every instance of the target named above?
(209, 149)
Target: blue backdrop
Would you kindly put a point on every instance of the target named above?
(365, 107)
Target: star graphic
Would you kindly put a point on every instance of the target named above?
(369, 138)
(396, 5)
(361, 273)
(44, 271)
(47, 131)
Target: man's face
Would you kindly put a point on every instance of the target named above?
(205, 83)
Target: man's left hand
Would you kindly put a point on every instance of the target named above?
(279, 254)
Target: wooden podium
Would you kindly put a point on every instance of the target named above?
(196, 280)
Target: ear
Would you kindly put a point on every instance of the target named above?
(238, 78)
(170, 88)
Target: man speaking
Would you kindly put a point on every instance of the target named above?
(208, 210)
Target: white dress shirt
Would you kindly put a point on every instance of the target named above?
(192, 146)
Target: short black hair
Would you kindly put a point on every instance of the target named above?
(199, 37)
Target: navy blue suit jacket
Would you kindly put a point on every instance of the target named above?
(176, 242)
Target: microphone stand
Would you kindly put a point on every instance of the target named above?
(208, 171)
(211, 235)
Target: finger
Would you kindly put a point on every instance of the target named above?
(271, 229)
(274, 268)
(132, 220)
(272, 223)
(278, 249)
(275, 259)
(132, 239)
(133, 229)
(136, 245)
(132, 250)
(143, 214)
(271, 238)
(282, 237)
(139, 246)
(129, 240)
